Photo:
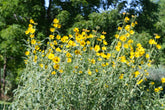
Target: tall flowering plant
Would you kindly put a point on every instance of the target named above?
(82, 71)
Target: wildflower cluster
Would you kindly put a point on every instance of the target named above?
(81, 71)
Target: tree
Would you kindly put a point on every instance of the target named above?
(15, 15)
(146, 10)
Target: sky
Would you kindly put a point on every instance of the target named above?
(46, 3)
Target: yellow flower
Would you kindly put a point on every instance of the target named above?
(31, 30)
(98, 39)
(76, 30)
(157, 36)
(58, 49)
(123, 59)
(93, 61)
(121, 76)
(68, 54)
(149, 64)
(163, 80)
(136, 73)
(82, 43)
(104, 32)
(103, 65)
(158, 46)
(84, 49)
(104, 48)
(55, 42)
(152, 41)
(80, 72)
(52, 29)
(139, 82)
(32, 36)
(156, 89)
(55, 25)
(33, 41)
(137, 54)
(25, 61)
(51, 56)
(27, 53)
(64, 39)
(102, 37)
(59, 26)
(51, 36)
(89, 72)
(133, 24)
(127, 27)
(147, 55)
(56, 21)
(56, 66)
(119, 44)
(30, 25)
(76, 67)
(77, 52)
(105, 42)
(88, 42)
(56, 59)
(127, 34)
(126, 19)
(119, 28)
(123, 38)
(53, 72)
(99, 59)
(34, 51)
(130, 41)
(131, 32)
(37, 47)
(117, 48)
(70, 43)
(140, 67)
(103, 55)
(70, 36)
(117, 36)
(152, 83)
(31, 21)
(126, 46)
(96, 70)
(35, 58)
(61, 71)
(27, 32)
(106, 85)
(58, 37)
(41, 65)
(97, 48)
(69, 60)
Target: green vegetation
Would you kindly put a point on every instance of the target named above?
(81, 71)
(99, 15)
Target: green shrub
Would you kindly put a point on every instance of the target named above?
(82, 72)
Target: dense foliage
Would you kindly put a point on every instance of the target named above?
(100, 15)
(81, 71)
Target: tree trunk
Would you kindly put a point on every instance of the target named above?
(49, 11)
(4, 73)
